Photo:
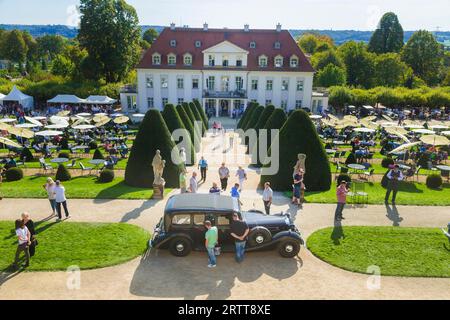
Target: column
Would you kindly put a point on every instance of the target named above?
(216, 101)
(230, 110)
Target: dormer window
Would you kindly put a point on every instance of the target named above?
(277, 45)
(278, 61)
(253, 44)
(187, 59)
(173, 43)
(211, 61)
(294, 62)
(156, 59)
(171, 59)
(225, 61)
(198, 44)
(262, 61)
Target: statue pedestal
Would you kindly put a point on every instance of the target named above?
(158, 191)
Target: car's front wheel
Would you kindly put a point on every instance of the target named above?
(180, 247)
(289, 248)
(259, 236)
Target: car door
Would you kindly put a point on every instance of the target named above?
(198, 229)
(223, 223)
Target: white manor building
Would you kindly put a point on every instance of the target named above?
(224, 69)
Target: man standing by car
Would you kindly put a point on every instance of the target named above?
(211, 237)
(239, 231)
(193, 185)
(267, 197)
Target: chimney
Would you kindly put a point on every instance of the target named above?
(205, 27)
(246, 28)
(279, 27)
(172, 26)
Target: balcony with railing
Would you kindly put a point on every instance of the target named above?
(236, 94)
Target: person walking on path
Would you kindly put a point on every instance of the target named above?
(235, 191)
(193, 185)
(267, 197)
(214, 189)
(239, 231)
(211, 238)
(224, 174)
(298, 187)
(341, 194)
(60, 197)
(242, 176)
(23, 236)
(50, 188)
(183, 181)
(30, 225)
(394, 176)
(203, 167)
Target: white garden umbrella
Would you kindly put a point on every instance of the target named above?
(58, 119)
(387, 118)
(139, 115)
(364, 130)
(424, 131)
(49, 133)
(27, 125)
(21, 132)
(102, 122)
(438, 127)
(63, 113)
(84, 114)
(10, 143)
(315, 117)
(388, 124)
(84, 127)
(121, 119)
(5, 126)
(8, 120)
(446, 133)
(98, 118)
(34, 121)
(39, 118)
(413, 126)
(435, 140)
(405, 146)
(117, 115)
(57, 126)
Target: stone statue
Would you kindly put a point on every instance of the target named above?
(300, 163)
(158, 168)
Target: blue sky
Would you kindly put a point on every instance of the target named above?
(299, 14)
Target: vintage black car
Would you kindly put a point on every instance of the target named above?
(182, 227)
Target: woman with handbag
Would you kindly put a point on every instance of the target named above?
(23, 237)
(30, 225)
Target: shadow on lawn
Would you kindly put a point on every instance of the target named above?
(115, 191)
(338, 233)
(158, 274)
(136, 213)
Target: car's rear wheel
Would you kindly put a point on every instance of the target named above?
(180, 247)
(259, 236)
(289, 248)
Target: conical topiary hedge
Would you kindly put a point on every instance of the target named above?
(188, 124)
(173, 122)
(62, 174)
(256, 114)
(153, 135)
(191, 116)
(197, 117)
(298, 135)
(244, 119)
(264, 117)
(202, 113)
(98, 155)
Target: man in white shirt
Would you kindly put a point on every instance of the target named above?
(60, 197)
(394, 176)
(224, 174)
(242, 176)
(193, 185)
(267, 197)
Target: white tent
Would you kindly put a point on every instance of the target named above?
(368, 107)
(16, 95)
(1, 97)
(100, 100)
(66, 98)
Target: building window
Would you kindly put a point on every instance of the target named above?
(269, 85)
(198, 44)
(171, 59)
(150, 103)
(284, 104)
(194, 83)
(294, 63)
(211, 83)
(239, 63)
(254, 84)
(211, 61)
(173, 43)
(164, 102)
(263, 61)
(277, 45)
(239, 83)
(298, 104)
(285, 85)
(278, 61)
(149, 82)
(268, 102)
(187, 60)
(164, 82)
(156, 59)
(180, 83)
(253, 44)
(225, 61)
(299, 85)
(180, 100)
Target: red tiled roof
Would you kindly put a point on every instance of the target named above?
(264, 39)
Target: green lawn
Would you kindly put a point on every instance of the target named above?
(86, 245)
(413, 252)
(78, 187)
(409, 194)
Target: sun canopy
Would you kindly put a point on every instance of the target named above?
(368, 107)
(10, 143)
(435, 140)
(405, 146)
(49, 133)
(100, 100)
(1, 97)
(16, 95)
(66, 98)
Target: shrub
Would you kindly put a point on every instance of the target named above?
(13, 174)
(202, 112)
(26, 153)
(244, 116)
(98, 155)
(386, 162)
(434, 181)
(64, 155)
(93, 145)
(299, 135)
(423, 160)
(350, 159)
(197, 133)
(251, 124)
(248, 115)
(197, 117)
(153, 135)
(106, 175)
(343, 177)
(187, 123)
(62, 174)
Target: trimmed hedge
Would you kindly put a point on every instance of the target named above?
(98, 155)
(93, 145)
(191, 117)
(64, 154)
(343, 177)
(350, 159)
(299, 135)
(26, 154)
(197, 117)
(153, 135)
(434, 181)
(247, 115)
(14, 174)
(386, 162)
(187, 123)
(202, 113)
(261, 124)
(256, 114)
(106, 175)
(62, 174)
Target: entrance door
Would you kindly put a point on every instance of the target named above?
(225, 83)
(224, 108)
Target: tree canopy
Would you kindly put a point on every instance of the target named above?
(388, 37)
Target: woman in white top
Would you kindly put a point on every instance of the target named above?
(50, 188)
(24, 241)
(60, 198)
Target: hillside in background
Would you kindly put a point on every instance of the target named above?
(339, 36)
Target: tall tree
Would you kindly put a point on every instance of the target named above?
(15, 47)
(424, 55)
(150, 35)
(389, 35)
(51, 45)
(322, 59)
(359, 63)
(110, 32)
(390, 70)
(331, 75)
